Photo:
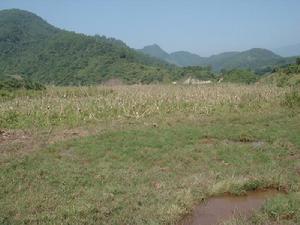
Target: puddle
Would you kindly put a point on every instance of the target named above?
(219, 209)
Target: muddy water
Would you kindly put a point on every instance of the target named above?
(220, 209)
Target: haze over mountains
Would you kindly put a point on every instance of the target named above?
(287, 51)
(255, 59)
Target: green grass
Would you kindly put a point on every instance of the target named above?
(283, 209)
(154, 175)
(162, 150)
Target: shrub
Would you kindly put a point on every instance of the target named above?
(292, 99)
(10, 83)
(240, 76)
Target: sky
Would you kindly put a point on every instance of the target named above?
(204, 27)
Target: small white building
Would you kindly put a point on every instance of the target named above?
(196, 81)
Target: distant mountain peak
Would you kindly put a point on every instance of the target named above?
(153, 46)
(24, 24)
(155, 50)
(13, 15)
(260, 50)
(255, 58)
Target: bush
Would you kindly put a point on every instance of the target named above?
(292, 99)
(240, 76)
(11, 83)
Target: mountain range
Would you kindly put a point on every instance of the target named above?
(256, 59)
(32, 48)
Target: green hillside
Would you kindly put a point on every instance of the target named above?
(31, 47)
(251, 59)
(155, 51)
(180, 58)
(34, 49)
(158, 53)
(256, 59)
(183, 58)
(284, 76)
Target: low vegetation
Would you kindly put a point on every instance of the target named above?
(239, 76)
(12, 83)
(284, 209)
(288, 75)
(69, 106)
(196, 72)
(13, 86)
(160, 150)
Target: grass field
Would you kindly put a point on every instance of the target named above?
(146, 154)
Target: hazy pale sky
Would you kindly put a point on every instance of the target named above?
(204, 27)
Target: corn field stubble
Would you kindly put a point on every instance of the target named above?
(179, 145)
(73, 106)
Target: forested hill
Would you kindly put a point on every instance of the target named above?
(180, 58)
(31, 47)
(256, 59)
